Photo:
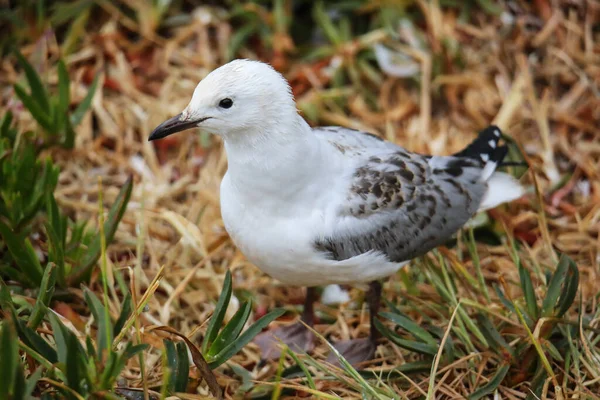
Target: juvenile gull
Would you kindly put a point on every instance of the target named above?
(331, 205)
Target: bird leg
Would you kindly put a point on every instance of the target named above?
(296, 336)
(357, 351)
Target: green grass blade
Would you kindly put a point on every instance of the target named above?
(69, 140)
(477, 263)
(18, 383)
(493, 336)
(76, 31)
(307, 374)
(56, 228)
(66, 12)
(124, 315)
(220, 309)
(537, 384)
(104, 272)
(33, 340)
(85, 104)
(472, 326)
(536, 343)
(12, 273)
(492, 385)
(5, 125)
(171, 356)
(6, 303)
(324, 21)
(73, 370)
(507, 303)
(554, 287)
(109, 374)
(245, 338)
(89, 347)
(417, 347)
(392, 306)
(9, 354)
(115, 214)
(38, 91)
(46, 183)
(239, 38)
(42, 117)
(246, 378)
(527, 288)
(570, 287)
(490, 7)
(183, 368)
(199, 362)
(60, 339)
(105, 330)
(32, 381)
(23, 253)
(231, 331)
(368, 391)
(120, 360)
(44, 296)
(64, 95)
(411, 327)
(552, 350)
(414, 367)
(282, 20)
(177, 359)
(133, 350)
(93, 303)
(279, 372)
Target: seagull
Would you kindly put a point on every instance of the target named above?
(331, 205)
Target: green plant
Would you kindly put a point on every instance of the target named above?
(73, 366)
(219, 345)
(52, 111)
(28, 184)
(528, 341)
(516, 357)
(25, 179)
(13, 383)
(178, 364)
(72, 248)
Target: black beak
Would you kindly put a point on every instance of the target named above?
(173, 125)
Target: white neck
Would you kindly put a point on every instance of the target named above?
(272, 160)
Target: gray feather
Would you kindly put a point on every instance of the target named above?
(406, 204)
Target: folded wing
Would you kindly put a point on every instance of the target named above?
(403, 204)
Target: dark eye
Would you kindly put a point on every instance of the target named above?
(226, 103)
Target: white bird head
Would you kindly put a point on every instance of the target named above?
(235, 99)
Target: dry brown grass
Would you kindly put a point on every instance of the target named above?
(539, 82)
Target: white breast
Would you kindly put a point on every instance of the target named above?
(281, 244)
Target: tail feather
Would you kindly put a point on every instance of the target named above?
(502, 188)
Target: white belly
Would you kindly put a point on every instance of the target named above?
(282, 247)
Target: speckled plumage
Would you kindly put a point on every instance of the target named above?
(422, 199)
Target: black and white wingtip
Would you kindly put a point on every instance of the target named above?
(486, 150)
(485, 147)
